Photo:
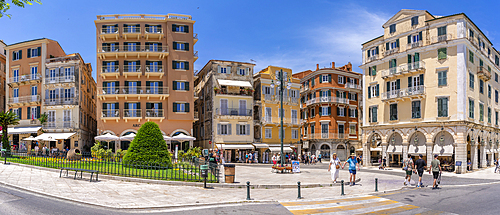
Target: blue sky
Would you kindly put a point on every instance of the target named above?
(292, 34)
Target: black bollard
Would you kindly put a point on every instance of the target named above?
(248, 191)
(342, 186)
(376, 184)
(298, 187)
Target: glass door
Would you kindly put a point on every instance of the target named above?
(34, 92)
(16, 75)
(324, 131)
(243, 107)
(223, 106)
(34, 73)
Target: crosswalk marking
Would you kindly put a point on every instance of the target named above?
(331, 201)
(394, 210)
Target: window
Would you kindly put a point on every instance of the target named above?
(496, 117)
(442, 54)
(17, 55)
(481, 86)
(442, 107)
(496, 96)
(268, 133)
(415, 110)
(471, 80)
(266, 90)
(481, 112)
(181, 107)
(352, 112)
(180, 28)
(224, 129)
(352, 129)
(373, 91)
(414, 21)
(372, 114)
(180, 65)
(313, 126)
(340, 111)
(471, 108)
(325, 111)
(373, 70)
(341, 79)
(181, 85)
(17, 112)
(324, 78)
(489, 91)
(242, 129)
(295, 134)
(181, 46)
(34, 52)
(312, 112)
(496, 77)
(471, 56)
(489, 115)
(393, 112)
(442, 78)
(241, 71)
(442, 31)
(392, 28)
(223, 70)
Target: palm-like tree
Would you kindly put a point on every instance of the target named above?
(6, 119)
(43, 119)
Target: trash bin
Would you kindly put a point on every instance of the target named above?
(229, 173)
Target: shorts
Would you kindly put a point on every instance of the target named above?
(408, 172)
(435, 174)
(420, 173)
(384, 165)
(352, 171)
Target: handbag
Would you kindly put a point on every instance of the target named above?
(337, 166)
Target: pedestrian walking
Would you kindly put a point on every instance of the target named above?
(420, 166)
(352, 168)
(335, 162)
(408, 167)
(436, 170)
(250, 157)
(246, 157)
(319, 157)
(384, 164)
(274, 159)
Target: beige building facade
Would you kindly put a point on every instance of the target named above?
(430, 87)
(3, 65)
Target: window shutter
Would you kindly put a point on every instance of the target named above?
(409, 39)
(186, 46)
(409, 81)
(329, 93)
(117, 106)
(356, 113)
(175, 85)
(160, 106)
(421, 79)
(312, 82)
(39, 51)
(104, 106)
(398, 82)
(13, 56)
(397, 43)
(386, 46)
(29, 112)
(345, 111)
(186, 107)
(238, 129)
(186, 29)
(20, 54)
(29, 53)
(174, 26)
(37, 111)
(175, 45)
(329, 111)
(218, 129)
(186, 65)
(339, 93)
(356, 96)
(338, 111)
(409, 58)
(420, 36)
(187, 86)
(148, 105)
(376, 50)
(20, 113)
(376, 90)
(320, 111)
(174, 107)
(174, 64)
(344, 79)
(388, 85)
(229, 129)
(368, 53)
(369, 93)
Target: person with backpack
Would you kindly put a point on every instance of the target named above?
(408, 167)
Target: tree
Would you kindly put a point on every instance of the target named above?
(6, 119)
(148, 146)
(43, 118)
(4, 6)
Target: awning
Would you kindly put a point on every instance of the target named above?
(278, 149)
(23, 130)
(359, 150)
(395, 149)
(260, 145)
(446, 150)
(56, 136)
(488, 151)
(234, 83)
(234, 146)
(377, 149)
(415, 150)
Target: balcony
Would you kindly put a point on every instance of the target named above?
(353, 86)
(132, 51)
(414, 45)
(195, 54)
(60, 101)
(24, 100)
(483, 73)
(132, 32)
(321, 136)
(154, 70)
(66, 125)
(110, 32)
(304, 88)
(233, 112)
(152, 114)
(403, 69)
(110, 115)
(60, 79)
(410, 92)
(107, 71)
(104, 93)
(277, 121)
(24, 79)
(238, 92)
(132, 114)
(195, 38)
(327, 99)
(441, 38)
(196, 116)
(153, 32)
(372, 58)
(132, 70)
(391, 51)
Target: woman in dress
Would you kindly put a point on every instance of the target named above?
(274, 160)
(336, 164)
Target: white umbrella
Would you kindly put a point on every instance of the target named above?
(183, 137)
(107, 138)
(128, 137)
(165, 137)
(31, 138)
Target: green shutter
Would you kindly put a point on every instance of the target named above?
(186, 65)
(39, 51)
(29, 113)
(377, 90)
(420, 36)
(186, 46)
(148, 105)
(386, 46)
(397, 43)
(175, 85)
(186, 29)
(422, 79)
(329, 78)
(187, 86)
(409, 58)
(175, 46)
(174, 64)
(186, 107)
(29, 53)
(329, 111)
(409, 39)
(369, 93)
(174, 106)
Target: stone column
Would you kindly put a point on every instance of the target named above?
(384, 153)
(366, 154)
(482, 156)
(461, 155)
(491, 159)
(428, 153)
(473, 155)
(405, 149)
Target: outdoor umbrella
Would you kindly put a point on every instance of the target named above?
(128, 137)
(183, 137)
(165, 137)
(31, 138)
(107, 138)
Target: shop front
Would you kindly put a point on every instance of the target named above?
(234, 153)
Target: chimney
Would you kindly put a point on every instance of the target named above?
(333, 65)
(317, 66)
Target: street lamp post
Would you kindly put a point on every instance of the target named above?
(280, 80)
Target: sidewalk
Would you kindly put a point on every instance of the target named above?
(121, 194)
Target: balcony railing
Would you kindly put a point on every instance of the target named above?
(353, 86)
(110, 69)
(110, 113)
(61, 101)
(233, 112)
(153, 30)
(237, 93)
(372, 58)
(441, 38)
(24, 99)
(407, 67)
(143, 90)
(24, 78)
(195, 36)
(483, 73)
(410, 91)
(328, 136)
(145, 16)
(391, 51)
(133, 48)
(414, 44)
(131, 30)
(154, 68)
(132, 68)
(66, 124)
(327, 99)
(304, 88)
(132, 113)
(113, 30)
(154, 113)
(60, 79)
(277, 120)
(195, 54)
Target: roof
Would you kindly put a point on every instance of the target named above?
(28, 41)
(458, 14)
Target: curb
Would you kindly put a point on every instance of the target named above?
(193, 184)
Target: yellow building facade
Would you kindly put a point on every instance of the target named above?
(430, 87)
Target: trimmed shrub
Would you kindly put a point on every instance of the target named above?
(148, 146)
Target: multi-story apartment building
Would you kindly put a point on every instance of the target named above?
(144, 70)
(329, 110)
(3, 63)
(431, 87)
(69, 101)
(39, 69)
(267, 117)
(224, 106)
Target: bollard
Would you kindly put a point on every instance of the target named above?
(248, 191)
(342, 186)
(298, 187)
(376, 184)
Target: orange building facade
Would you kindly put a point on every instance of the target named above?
(330, 110)
(145, 73)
